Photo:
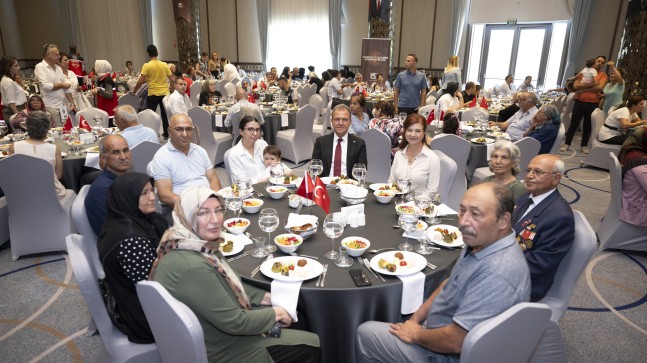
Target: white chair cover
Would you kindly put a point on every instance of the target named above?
(529, 149)
(230, 90)
(447, 176)
(612, 232)
(195, 89)
(320, 130)
(215, 143)
(83, 255)
(558, 140)
(459, 150)
(226, 160)
(179, 334)
(296, 144)
(568, 110)
(509, 337)
(324, 95)
(378, 155)
(476, 110)
(89, 113)
(167, 108)
(599, 152)
(28, 184)
(129, 99)
(317, 102)
(150, 119)
(142, 154)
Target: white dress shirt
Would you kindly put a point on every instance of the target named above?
(179, 103)
(242, 163)
(424, 172)
(47, 76)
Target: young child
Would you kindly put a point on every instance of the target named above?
(272, 157)
(589, 73)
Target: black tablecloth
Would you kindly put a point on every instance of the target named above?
(335, 312)
(271, 126)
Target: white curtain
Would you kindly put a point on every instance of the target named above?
(578, 27)
(263, 13)
(69, 19)
(298, 35)
(111, 32)
(460, 14)
(336, 16)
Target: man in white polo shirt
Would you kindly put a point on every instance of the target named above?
(52, 83)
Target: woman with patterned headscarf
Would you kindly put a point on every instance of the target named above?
(192, 268)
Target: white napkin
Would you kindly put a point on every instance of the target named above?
(413, 289)
(237, 238)
(490, 148)
(92, 160)
(352, 191)
(467, 127)
(218, 120)
(444, 210)
(357, 208)
(297, 220)
(284, 120)
(286, 295)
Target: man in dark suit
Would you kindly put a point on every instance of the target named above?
(328, 146)
(378, 9)
(543, 222)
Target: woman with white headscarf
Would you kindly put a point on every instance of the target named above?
(191, 267)
(105, 92)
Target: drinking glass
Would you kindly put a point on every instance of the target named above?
(422, 198)
(402, 116)
(260, 251)
(268, 220)
(434, 219)
(277, 172)
(244, 184)
(343, 260)
(359, 173)
(423, 247)
(98, 120)
(3, 129)
(234, 204)
(316, 167)
(403, 185)
(407, 222)
(333, 227)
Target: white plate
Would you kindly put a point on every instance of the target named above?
(226, 193)
(487, 140)
(280, 181)
(328, 181)
(436, 237)
(497, 134)
(311, 270)
(415, 263)
(376, 186)
(63, 154)
(238, 247)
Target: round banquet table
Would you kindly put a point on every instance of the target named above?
(335, 311)
(370, 103)
(271, 126)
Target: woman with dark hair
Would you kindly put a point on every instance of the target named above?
(616, 124)
(383, 120)
(106, 94)
(434, 84)
(544, 127)
(193, 270)
(202, 65)
(451, 124)
(452, 99)
(38, 125)
(14, 98)
(359, 118)
(127, 248)
(71, 78)
(286, 73)
(635, 147)
(325, 77)
(35, 103)
(379, 85)
(246, 157)
(415, 160)
(208, 93)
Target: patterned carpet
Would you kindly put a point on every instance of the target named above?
(43, 316)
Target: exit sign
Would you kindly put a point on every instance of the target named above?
(512, 21)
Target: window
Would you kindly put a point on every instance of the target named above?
(522, 50)
(298, 35)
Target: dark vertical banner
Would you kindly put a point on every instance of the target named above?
(182, 9)
(375, 58)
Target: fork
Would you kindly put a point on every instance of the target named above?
(361, 262)
(258, 268)
(431, 266)
(323, 279)
(368, 266)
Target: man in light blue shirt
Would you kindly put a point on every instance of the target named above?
(131, 129)
(410, 87)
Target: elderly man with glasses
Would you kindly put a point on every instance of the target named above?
(543, 222)
(180, 164)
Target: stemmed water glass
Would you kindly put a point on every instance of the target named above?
(333, 227)
(408, 223)
(422, 198)
(234, 204)
(316, 167)
(435, 200)
(402, 116)
(359, 173)
(403, 185)
(268, 220)
(423, 247)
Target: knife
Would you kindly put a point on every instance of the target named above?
(258, 268)
(368, 266)
(298, 255)
(323, 279)
(361, 262)
(239, 256)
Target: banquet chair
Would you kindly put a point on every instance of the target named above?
(509, 337)
(117, 347)
(347, 91)
(568, 110)
(27, 182)
(558, 140)
(179, 334)
(219, 84)
(458, 149)
(529, 148)
(226, 160)
(599, 152)
(235, 81)
(323, 92)
(142, 154)
(551, 347)
(215, 143)
(195, 90)
(474, 111)
(320, 130)
(612, 232)
(317, 102)
(425, 110)
(150, 119)
(80, 218)
(447, 176)
(296, 144)
(496, 90)
(230, 90)
(129, 99)
(89, 113)
(235, 127)
(304, 96)
(4, 221)
(378, 155)
(167, 108)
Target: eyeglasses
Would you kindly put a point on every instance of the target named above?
(180, 130)
(538, 173)
(340, 120)
(147, 192)
(218, 212)
(252, 130)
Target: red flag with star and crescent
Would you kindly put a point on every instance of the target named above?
(84, 124)
(316, 192)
